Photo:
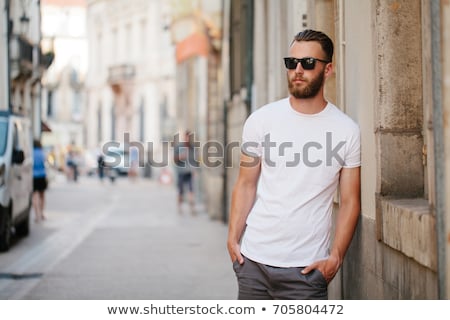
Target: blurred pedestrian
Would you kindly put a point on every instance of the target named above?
(39, 181)
(185, 162)
(72, 165)
(112, 174)
(280, 226)
(101, 166)
(134, 164)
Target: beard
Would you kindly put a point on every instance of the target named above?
(311, 90)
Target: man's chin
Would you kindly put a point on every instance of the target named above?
(302, 95)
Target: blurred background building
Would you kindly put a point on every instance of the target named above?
(153, 68)
(196, 29)
(63, 95)
(130, 85)
(22, 60)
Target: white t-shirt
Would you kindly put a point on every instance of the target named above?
(301, 155)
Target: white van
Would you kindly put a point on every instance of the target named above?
(16, 176)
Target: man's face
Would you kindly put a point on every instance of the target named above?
(305, 84)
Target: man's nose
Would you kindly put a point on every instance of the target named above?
(299, 68)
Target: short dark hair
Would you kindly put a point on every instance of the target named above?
(322, 38)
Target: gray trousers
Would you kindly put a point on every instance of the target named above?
(262, 282)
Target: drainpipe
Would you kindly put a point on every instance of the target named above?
(438, 133)
(249, 55)
(341, 84)
(8, 53)
(226, 7)
(225, 164)
(39, 85)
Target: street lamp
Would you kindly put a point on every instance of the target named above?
(24, 22)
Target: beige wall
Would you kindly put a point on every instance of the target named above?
(358, 92)
(323, 17)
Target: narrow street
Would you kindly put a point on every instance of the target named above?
(118, 241)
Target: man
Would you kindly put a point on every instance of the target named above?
(295, 154)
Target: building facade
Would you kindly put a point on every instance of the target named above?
(130, 84)
(63, 95)
(22, 60)
(196, 33)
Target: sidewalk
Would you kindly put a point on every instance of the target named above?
(138, 246)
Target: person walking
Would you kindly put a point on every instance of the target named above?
(72, 165)
(101, 166)
(296, 152)
(39, 181)
(184, 159)
(134, 164)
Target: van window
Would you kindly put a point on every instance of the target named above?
(3, 136)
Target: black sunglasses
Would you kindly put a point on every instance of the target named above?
(307, 63)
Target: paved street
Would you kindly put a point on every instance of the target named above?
(118, 241)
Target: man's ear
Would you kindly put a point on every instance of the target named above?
(329, 68)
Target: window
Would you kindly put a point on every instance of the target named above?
(50, 111)
(3, 136)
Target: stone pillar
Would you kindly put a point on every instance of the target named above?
(399, 113)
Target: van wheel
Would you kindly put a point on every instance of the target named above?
(5, 230)
(23, 228)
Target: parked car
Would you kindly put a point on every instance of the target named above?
(16, 176)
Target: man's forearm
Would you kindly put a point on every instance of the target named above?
(346, 222)
(241, 203)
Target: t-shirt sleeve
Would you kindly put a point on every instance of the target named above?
(353, 152)
(251, 138)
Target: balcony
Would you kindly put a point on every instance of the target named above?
(121, 73)
(21, 56)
